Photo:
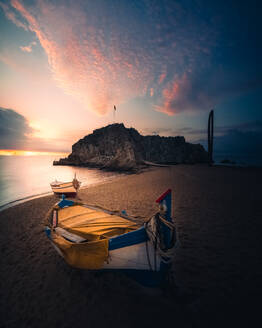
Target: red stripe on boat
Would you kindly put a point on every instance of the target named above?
(163, 196)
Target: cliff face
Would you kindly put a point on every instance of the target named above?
(118, 148)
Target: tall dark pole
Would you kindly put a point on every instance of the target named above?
(114, 113)
(210, 133)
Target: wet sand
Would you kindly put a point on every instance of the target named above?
(217, 269)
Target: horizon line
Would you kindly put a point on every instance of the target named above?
(23, 152)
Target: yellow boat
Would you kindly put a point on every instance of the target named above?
(92, 238)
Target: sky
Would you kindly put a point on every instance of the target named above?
(163, 64)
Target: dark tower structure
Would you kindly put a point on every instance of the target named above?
(210, 133)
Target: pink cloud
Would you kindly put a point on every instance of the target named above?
(170, 94)
(82, 64)
(161, 78)
(12, 16)
(26, 48)
(113, 59)
(186, 93)
(29, 47)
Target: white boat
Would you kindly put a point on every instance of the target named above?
(69, 189)
(91, 238)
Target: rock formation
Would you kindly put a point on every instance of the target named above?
(115, 147)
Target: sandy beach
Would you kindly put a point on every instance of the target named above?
(217, 269)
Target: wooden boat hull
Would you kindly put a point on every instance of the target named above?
(66, 188)
(129, 255)
(94, 239)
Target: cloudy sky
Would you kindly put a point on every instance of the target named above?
(164, 64)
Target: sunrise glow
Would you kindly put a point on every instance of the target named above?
(15, 152)
(163, 64)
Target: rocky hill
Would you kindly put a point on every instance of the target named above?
(116, 147)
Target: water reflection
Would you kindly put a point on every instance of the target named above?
(23, 176)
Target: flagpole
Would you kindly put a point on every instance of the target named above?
(114, 113)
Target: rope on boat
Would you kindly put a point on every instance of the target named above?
(155, 236)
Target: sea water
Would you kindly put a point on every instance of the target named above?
(22, 177)
(245, 160)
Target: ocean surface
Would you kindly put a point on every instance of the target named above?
(22, 177)
(245, 160)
